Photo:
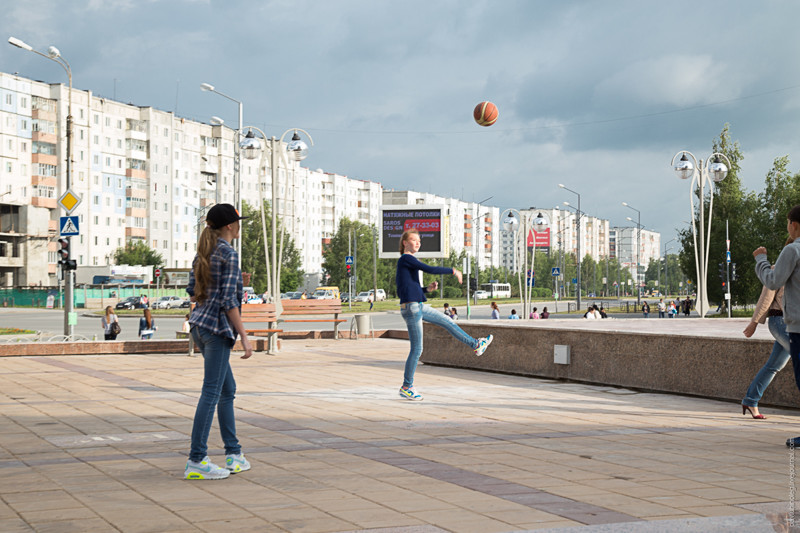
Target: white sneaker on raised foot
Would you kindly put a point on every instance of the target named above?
(483, 344)
(205, 469)
(236, 463)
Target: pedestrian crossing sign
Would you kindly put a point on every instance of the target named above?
(69, 226)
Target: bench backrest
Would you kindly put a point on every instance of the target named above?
(259, 313)
(311, 307)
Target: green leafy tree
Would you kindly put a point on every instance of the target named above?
(350, 236)
(137, 253)
(253, 259)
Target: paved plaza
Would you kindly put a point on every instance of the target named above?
(98, 443)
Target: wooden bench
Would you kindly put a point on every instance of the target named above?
(314, 308)
(263, 314)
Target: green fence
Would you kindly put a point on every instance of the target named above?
(83, 296)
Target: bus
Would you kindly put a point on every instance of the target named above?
(497, 290)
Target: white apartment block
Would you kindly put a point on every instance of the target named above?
(594, 235)
(624, 247)
(142, 174)
(472, 227)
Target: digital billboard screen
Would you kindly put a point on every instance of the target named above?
(430, 221)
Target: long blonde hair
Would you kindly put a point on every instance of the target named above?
(202, 264)
(405, 236)
(148, 318)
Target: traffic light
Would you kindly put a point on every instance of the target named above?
(349, 271)
(722, 272)
(63, 255)
(733, 271)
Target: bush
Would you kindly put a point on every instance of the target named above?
(453, 292)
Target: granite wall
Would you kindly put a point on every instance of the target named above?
(710, 367)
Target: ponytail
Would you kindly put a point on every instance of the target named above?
(202, 264)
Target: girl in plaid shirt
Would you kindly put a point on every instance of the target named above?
(215, 285)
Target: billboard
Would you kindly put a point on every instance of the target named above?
(539, 239)
(430, 220)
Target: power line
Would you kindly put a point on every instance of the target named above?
(563, 124)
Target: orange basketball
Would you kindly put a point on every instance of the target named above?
(485, 113)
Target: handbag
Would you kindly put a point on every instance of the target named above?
(116, 329)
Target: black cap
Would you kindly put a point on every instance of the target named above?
(221, 215)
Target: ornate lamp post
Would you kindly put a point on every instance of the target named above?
(638, 252)
(578, 215)
(701, 174)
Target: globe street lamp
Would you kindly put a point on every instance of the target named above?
(297, 150)
(525, 222)
(54, 55)
(638, 252)
(237, 163)
(578, 215)
(666, 265)
(700, 173)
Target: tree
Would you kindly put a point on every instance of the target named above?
(350, 236)
(253, 259)
(137, 253)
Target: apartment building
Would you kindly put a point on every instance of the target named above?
(142, 174)
(625, 245)
(560, 233)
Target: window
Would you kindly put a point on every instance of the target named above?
(96, 201)
(97, 119)
(108, 122)
(96, 220)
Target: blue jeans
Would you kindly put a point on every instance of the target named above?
(218, 391)
(777, 360)
(661, 314)
(414, 313)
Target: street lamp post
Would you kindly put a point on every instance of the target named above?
(638, 252)
(54, 55)
(695, 169)
(237, 169)
(298, 150)
(666, 266)
(578, 215)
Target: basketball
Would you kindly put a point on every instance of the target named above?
(485, 113)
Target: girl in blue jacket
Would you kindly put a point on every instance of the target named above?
(414, 309)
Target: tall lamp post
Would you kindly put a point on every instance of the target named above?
(638, 252)
(701, 174)
(666, 265)
(578, 215)
(54, 55)
(237, 170)
(520, 226)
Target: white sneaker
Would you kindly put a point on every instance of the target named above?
(205, 469)
(483, 344)
(236, 463)
(410, 394)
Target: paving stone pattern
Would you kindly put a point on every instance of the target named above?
(98, 443)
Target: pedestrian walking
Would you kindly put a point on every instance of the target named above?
(215, 285)
(414, 310)
(786, 274)
(769, 309)
(110, 324)
(147, 325)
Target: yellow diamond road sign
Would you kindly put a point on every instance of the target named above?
(69, 201)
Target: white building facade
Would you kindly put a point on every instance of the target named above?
(629, 250)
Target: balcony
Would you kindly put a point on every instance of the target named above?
(44, 137)
(133, 173)
(140, 233)
(40, 201)
(45, 159)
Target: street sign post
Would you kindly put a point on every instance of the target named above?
(69, 226)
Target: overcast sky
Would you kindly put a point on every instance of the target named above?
(596, 95)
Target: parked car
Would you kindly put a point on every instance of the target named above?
(167, 302)
(482, 295)
(381, 295)
(185, 304)
(294, 295)
(254, 299)
(362, 297)
(131, 302)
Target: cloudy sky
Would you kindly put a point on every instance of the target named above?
(596, 95)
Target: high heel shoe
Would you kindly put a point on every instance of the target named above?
(746, 408)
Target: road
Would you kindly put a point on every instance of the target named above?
(51, 321)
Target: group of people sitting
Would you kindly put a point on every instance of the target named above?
(595, 313)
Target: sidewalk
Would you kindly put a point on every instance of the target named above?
(94, 443)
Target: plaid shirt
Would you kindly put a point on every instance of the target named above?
(225, 292)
